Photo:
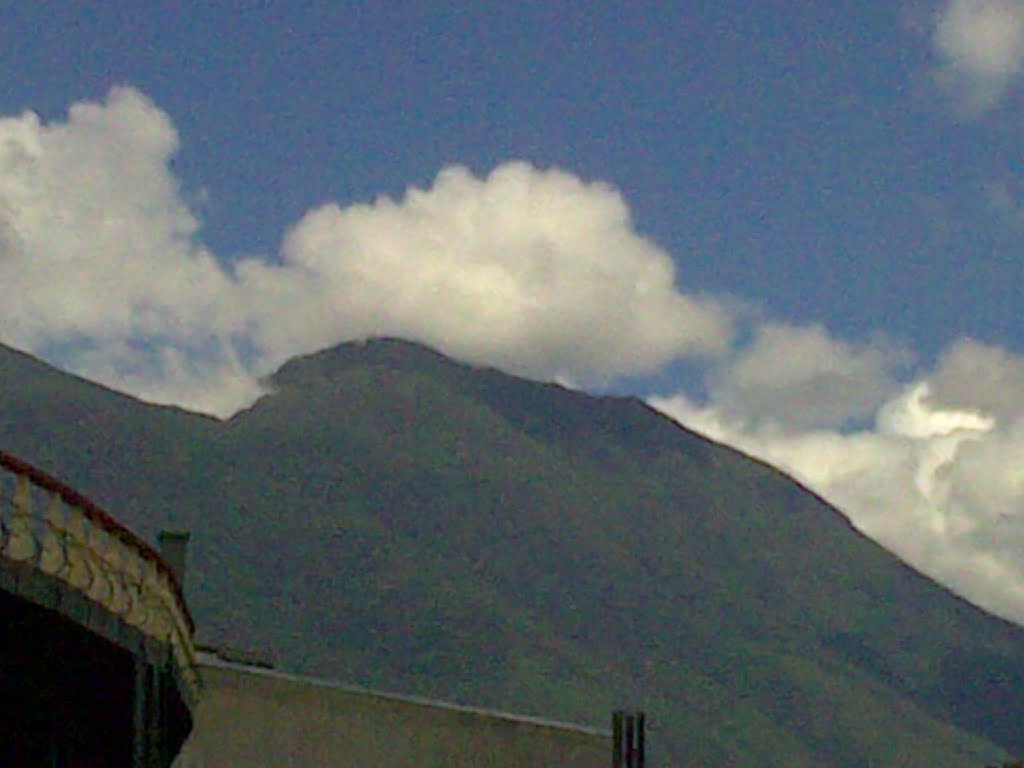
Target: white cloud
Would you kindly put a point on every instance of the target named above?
(102, 267)
(988, 377)
(937, 478)
(800, 376)
(90, 211)
(98, 254)
(209, 380)
(532, 270)
(981, 43)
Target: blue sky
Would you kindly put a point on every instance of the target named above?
(796, 227)
(793, 154)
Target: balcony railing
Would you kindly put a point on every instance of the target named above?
(53, 529)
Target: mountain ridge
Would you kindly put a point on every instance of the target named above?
(389, 516)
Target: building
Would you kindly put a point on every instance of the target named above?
(97, 663)
(254, 716)
(98, 667)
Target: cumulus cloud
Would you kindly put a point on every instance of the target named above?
(532, 270)
(935, 477)
(970, 373)
(99, 256)
(801, 376)
(103, 269)
(981, 43)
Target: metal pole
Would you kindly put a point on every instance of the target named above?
(617, 739)
(641, 747)
(630, 752)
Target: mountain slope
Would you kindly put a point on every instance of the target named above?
(393, 518)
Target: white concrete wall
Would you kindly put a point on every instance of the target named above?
(257, 718)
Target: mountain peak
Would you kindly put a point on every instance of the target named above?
(417, 524)
(333, 361)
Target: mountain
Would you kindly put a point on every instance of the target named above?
(392, 518)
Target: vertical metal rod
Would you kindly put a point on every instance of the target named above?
(641, 747)
(630, 752)
(617, 739)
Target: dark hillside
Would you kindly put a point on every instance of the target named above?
(393, 518)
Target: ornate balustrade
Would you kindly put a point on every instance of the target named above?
(49, 529)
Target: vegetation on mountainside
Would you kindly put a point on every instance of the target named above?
(391, 518)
